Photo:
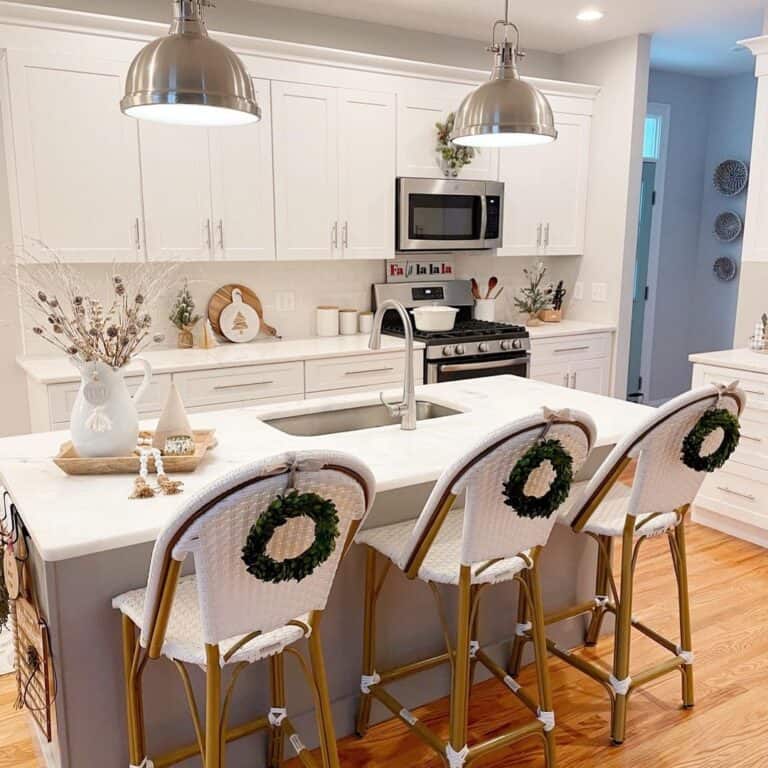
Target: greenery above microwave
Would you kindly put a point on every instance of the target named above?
(453, 156)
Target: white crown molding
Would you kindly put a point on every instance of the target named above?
(18, 16)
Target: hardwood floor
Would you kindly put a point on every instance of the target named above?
(726, 729)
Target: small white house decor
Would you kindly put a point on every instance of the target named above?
(173, 421)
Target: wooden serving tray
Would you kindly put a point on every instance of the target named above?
(69, 462)
(223, 298)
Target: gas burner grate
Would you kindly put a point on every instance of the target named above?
(463, 330)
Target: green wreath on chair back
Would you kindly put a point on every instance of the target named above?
(712, 420)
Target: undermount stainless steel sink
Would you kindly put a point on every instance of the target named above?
(352, 419)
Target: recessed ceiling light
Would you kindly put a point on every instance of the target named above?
(590, 14)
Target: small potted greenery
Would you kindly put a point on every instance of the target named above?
(533, 297)
(183, 317)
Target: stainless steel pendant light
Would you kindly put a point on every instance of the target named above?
(505, 111)
(186, 78)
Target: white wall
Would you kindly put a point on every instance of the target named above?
(271, 22)
(620, 68)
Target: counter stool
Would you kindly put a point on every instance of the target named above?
(495, 538)
(664, 487)
(266, 541)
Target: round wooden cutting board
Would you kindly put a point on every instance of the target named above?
(223, 298)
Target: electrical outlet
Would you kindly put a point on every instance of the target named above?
(599, 291)
(285, 301)
(578, 290)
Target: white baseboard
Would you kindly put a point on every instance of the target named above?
(6, 651)
(726, 524)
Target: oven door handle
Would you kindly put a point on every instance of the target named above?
(457, 368)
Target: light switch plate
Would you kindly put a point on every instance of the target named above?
(599, 291)
(578, 290)
(285, 301)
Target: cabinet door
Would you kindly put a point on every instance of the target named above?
(241, 181)
(304, 120)
(590, 376)
(519, 170)
(563, 173)
(175, 167)
(76, 157)
(367, 174)
(552, 373)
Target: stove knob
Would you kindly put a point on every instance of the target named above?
(484, 347)
(506, 345)
(447, 351)
(459, 349)
(517, 344)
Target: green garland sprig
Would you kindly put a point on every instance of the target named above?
(514, 488)
(716, 418)
(284, 508)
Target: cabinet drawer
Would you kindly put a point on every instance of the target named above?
(754, 385)
(358, 372)
(739, 491)
(61, 398)
(582, 347)
(240, 385)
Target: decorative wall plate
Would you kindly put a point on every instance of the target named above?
(725, 268)
(728, 226)
(731, 177)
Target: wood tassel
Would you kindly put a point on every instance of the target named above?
(169, 487)
(141, 489)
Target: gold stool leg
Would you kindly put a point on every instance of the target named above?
(369, 639)
(324, 715)
(133, 708)
(686, 641)
(212, 708)
(519, 641)
(604, 553)
(459, 716)
(473, 632)
(622, 635)
(277, 698)
(538, 631)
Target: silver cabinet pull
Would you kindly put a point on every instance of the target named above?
(243, 386)
(137, 233)
(571, 349)
(369, 370)
(538, 235)
(750, 437)
(573, 380)
(566, 379)
(726, 489)
(546, 235)
(221, 234)
(345, 235)
(335, 234)
(208, 233)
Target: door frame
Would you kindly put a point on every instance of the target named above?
(654, 250)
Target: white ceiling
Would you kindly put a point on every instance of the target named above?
(691, 35)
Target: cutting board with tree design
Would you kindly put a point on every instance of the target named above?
(223, 298)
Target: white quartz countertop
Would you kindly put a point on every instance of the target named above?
(69, 517)
(737, 359)
(568, 328)
(58, 369)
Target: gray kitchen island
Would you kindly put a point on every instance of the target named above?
(88, 542)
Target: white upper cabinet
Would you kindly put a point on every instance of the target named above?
(76, 158)
(419, 109)
(176, 178)
(367, 174)
(304, 121)
(242, 187)
(545, 192)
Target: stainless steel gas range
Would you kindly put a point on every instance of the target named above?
(473, 348)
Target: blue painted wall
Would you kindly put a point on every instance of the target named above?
(711, 120)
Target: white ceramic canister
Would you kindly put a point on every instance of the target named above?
(348, 322)
(366, 322)
(485, 309)
(327, 321)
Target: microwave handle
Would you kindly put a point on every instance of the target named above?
(483, 216)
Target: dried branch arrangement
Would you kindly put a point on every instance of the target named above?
(108, 324)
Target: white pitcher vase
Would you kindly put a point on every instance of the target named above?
(104, 419)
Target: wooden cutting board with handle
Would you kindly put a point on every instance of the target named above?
(223, 298)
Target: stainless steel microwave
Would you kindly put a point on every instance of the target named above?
(448, 214)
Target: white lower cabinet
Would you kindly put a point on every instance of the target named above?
(734, 499)
(578, 362)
